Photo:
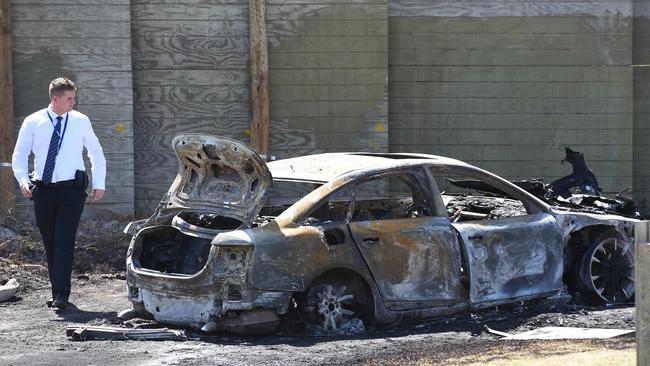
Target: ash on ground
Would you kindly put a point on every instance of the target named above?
(351, 327)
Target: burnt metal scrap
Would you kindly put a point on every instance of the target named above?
(581, 177)
(343, 240)
(83, 333)
(577, 191)
(619, 205)
(580, 191)
(486, 207)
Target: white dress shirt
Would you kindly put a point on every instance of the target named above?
(35, 134)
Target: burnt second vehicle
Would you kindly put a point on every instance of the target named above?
(237, 243)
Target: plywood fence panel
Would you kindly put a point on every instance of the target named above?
(479, 80)
(190, 75)
(327, 79)
(327, 76)
(507, 84)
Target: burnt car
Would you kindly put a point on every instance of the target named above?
(237, 243)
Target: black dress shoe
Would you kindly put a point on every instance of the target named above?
(60, 303)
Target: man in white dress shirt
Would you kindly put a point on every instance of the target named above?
(57, 135)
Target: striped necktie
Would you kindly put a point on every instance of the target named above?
(52, 152)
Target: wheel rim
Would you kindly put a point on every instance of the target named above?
(611, 270)
(333, 304)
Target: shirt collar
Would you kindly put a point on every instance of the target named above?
(49, 109)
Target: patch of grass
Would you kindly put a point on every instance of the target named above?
(543, 353)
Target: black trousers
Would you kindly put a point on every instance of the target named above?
(57, 211)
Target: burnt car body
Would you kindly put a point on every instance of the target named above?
(237, 243)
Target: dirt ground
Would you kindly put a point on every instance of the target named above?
(31, 333)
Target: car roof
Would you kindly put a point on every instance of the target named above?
(326, 167)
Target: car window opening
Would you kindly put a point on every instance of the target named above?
(469, 199)
(382, 198)
(389, 198)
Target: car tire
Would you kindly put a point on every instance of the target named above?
(606, 271)
(330, 303)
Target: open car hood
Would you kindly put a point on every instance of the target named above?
(218, 175)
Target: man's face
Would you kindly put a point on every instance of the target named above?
(64, 103)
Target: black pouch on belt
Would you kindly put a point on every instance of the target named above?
(81, 179)
(33, 186)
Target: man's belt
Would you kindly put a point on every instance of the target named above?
(64, 183)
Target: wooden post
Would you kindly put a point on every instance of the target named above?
(642, 294)
(259, 77)
(7, 183)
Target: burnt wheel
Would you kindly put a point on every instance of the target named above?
(329, 304)
(607, 269)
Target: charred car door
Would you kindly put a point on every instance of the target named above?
(512, 257)
(514, 249)
(413, 256)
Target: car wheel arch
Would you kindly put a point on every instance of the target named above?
(580, 240)
(580, 244)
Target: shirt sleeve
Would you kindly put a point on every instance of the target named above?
(96, 155)
(20, 157)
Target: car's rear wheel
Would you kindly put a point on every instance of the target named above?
(330, 304)
(607, 269)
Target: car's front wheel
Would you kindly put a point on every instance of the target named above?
(607, 269)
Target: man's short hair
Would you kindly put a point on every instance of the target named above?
(58, 86)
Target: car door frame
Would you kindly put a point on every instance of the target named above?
(422, 290)
(499, 269)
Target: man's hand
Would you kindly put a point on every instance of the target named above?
(98, 194)
(27, 192)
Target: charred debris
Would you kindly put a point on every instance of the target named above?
(578, 191)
